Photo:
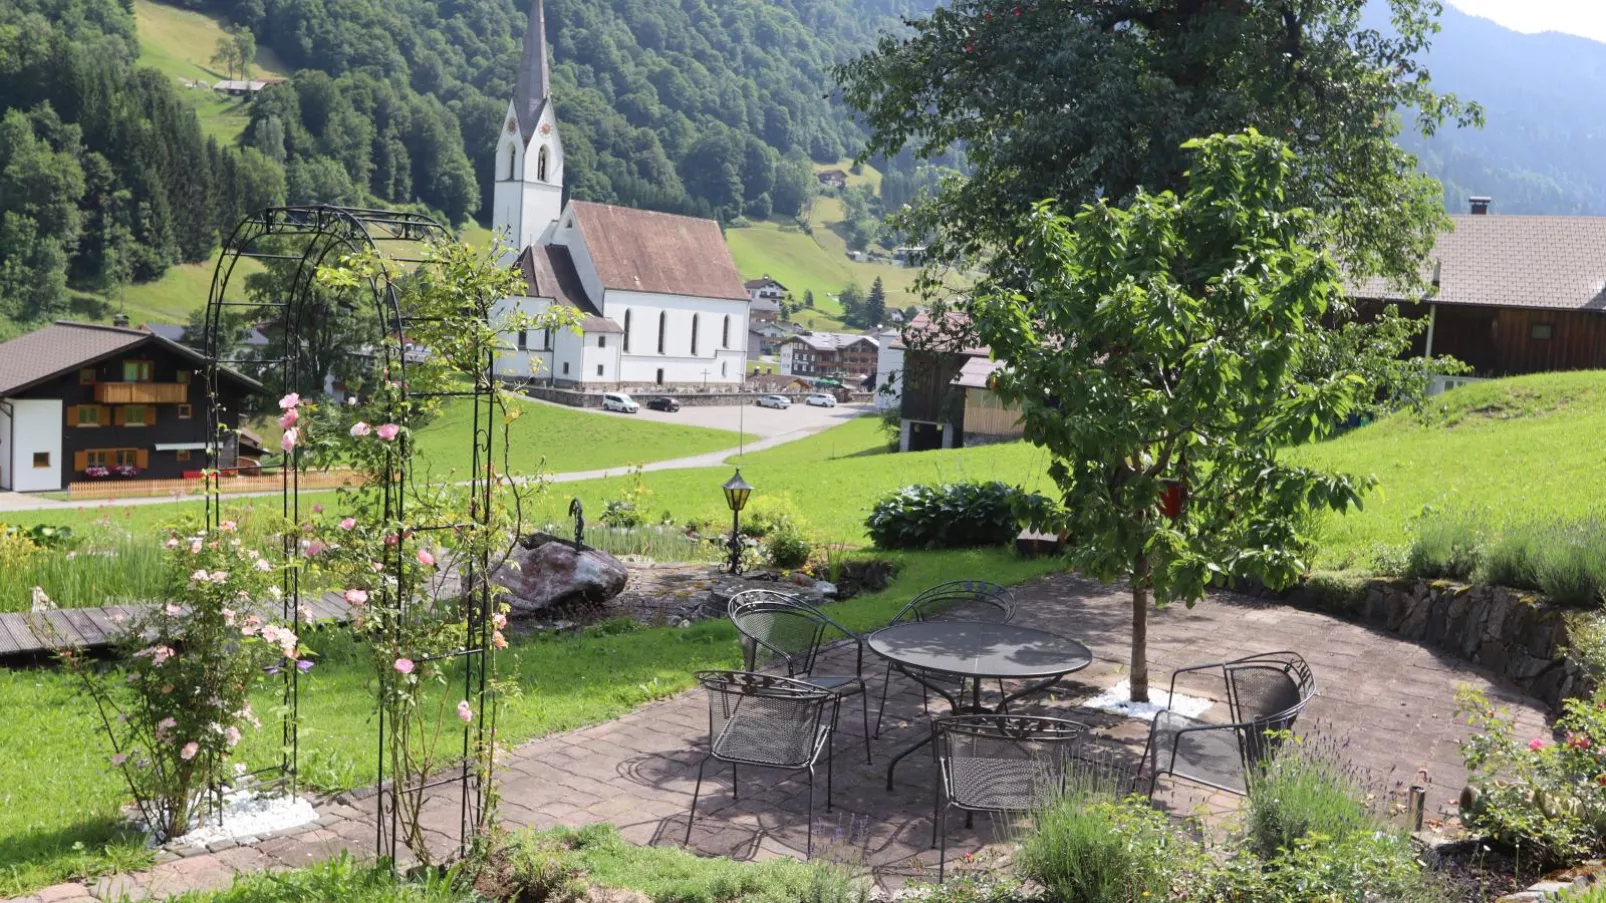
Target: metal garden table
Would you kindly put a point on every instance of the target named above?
(971, 652)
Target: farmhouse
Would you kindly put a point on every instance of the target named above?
(83, 402)
(832, 178)
(1511, 294)
(946, 399)
(833, 354)
(658, 295)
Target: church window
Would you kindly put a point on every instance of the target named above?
(724, 368)
(725, 334)
(663, 326)
(524, 340)
(694, 320)
(512, 163)
(627, 330)
(602, 341)
(540, 165)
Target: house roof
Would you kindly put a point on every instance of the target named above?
(44, 354)
(832, 341)
(764, 305)
(645, 251)
(953, 330)
(549, 273)
(173, 332)
(532, 88)
(766, 282)
(1548, 262)
(977, 373)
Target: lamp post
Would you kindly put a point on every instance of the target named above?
(736, 493)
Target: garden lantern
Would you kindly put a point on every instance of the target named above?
(736, 493)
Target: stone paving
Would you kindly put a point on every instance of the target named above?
(1389, 702)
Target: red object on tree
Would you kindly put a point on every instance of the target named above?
(1172, 498)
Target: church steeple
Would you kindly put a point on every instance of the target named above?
(534, 83)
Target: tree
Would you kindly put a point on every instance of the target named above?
(1156, 353)
(245, 50)
(875, 306)
(227, 55)
(1083, 100)
(808, 298)
(852, 301)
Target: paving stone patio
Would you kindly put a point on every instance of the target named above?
(1389, 702)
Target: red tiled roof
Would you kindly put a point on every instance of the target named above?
(645, 251)
(549, 273)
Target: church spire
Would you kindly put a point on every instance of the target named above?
(534, 85)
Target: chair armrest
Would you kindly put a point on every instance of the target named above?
(1171, 692)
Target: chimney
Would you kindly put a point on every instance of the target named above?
(1480, 204)
(120, 320)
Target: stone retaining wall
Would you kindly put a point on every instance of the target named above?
(578, 399)
(1516, 635)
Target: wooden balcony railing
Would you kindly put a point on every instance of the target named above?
(142, 393)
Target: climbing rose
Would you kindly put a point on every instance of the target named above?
(288, 440)
(189, 750)
(289, 402)
(360, 429)
(465, 713)
(1536, 744)
(404, 665)
(348, 523)
(389, 431)
(263, 564)
(289, 419)
(357, 596)
(119, 758)
(231, 734)
(426, 559)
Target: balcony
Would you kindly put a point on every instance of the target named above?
(142, 393)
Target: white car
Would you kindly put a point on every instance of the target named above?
(820, 400)
(619, 401)
(774, 401)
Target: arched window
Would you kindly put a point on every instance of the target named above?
(512, 163)
(627, 330)
(540, 165)
(694, 321)
(725, 334)
(663, 327)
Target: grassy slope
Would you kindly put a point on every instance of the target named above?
(180, 43)
(1514, 450)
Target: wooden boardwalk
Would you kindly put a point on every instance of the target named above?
(97, 628)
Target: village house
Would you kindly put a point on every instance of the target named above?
(945, 394)
(838, 355)
(765, 289)
(86, 402)
(832, 178)
(659, 298)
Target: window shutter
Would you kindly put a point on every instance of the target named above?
(72, 415)
(105, 415)
(150, 415)
(121, 417)
(80, 460)
(142, 459)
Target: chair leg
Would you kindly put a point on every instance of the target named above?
(695, 791)
(942, 855)
(808, 850)
(867, 759)
(736, 791)
(830, 776)
(881, 712)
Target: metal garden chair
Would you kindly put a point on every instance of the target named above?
(1265, 694)
(782, 631)
(766, 721)
(999, 763)
(957, 600)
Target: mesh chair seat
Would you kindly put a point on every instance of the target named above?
(768, 739)
(1000, 785)
(837, 684)
(1210, 754)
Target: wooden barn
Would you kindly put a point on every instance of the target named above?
(1513, 294)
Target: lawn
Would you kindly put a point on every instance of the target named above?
(180, 43)
(1511, 450)
(61, 791)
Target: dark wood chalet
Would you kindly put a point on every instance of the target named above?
(1512, 294)
(85, 402)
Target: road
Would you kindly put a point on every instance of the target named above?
(770, 428)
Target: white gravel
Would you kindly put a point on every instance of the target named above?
(1118, 698)
(245, 814)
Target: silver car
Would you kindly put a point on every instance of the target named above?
(619, 401)
(820, 400)
(774, 401)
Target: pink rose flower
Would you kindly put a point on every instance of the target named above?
(426, 559)
(287, 442)
(360, 429)
(119, 759)
(348, 523)
(289, 419)
(464, 713)
(389, 431)
(189, 750)
(315, 548)
(263, 565)
(1536, 744)
(289, 402)
(497, 640)
(357, 596)
(317, 509)
(404, 666)
(195, 547)
(231, 734)
(171, 544)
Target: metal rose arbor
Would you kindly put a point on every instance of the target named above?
(375, 322)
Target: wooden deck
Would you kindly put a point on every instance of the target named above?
(97, 628)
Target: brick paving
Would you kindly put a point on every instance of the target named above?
(1389, 702)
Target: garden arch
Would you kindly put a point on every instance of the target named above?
(298, 240)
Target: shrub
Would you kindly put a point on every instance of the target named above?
(950, 516)
(787, 548)
(1306, 790)
(620, 514)
(1337, 592)
(1093, 847)
(771, 513)
(1362, 868)
(1570, 568)
(1511, 560)
(1447, 546)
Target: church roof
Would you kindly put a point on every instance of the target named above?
(549, 273)
(659, 253)
(534, 82)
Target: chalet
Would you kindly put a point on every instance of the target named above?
(836, 354)
(765, 289)
(832, 178)
(945, 399)
(763, 310)
(1511, 294)
(82, 402)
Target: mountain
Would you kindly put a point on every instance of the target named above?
(1544, 100)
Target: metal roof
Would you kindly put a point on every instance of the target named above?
(44, 354)
(659, 253)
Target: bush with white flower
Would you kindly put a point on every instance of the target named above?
(176, 706)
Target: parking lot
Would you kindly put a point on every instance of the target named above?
(752, 419)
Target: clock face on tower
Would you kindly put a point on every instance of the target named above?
(546, 128)
(512, 126)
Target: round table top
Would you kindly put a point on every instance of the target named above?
(980, 649)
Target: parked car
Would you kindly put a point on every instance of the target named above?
(774, 401)
(820, 400)
(619, 401)
(663, 403)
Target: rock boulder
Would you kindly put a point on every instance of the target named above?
(544, 570)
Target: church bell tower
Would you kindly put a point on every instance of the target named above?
(528, 198)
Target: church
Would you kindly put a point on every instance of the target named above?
(660, 301)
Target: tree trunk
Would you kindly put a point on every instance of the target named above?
(1140, 629)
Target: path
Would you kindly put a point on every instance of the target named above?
(771, 437)
(1390, 703)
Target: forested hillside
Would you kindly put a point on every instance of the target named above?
(713, 107)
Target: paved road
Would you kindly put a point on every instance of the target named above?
(771, 427)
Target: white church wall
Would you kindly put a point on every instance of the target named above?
(533, 362)
(713, 363)
(568, 235)
(600, 359)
